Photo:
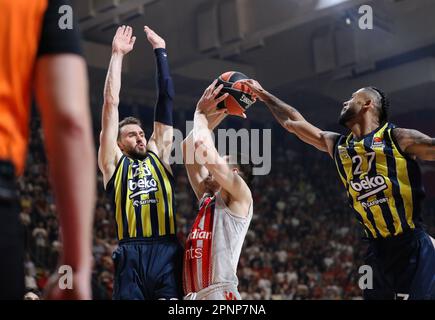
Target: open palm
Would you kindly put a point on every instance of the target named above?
(123, 41)
(154, 39)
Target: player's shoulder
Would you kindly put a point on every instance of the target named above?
(332, 141)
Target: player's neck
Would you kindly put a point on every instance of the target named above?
(363, 128)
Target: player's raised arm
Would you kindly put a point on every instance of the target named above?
(109, 152)
(196, 172)
(205, 150)
(161, 139)
(415, 144)
(292, 120)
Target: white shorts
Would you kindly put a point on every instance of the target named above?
(220, 291)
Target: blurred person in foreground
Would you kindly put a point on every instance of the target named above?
(38, 57)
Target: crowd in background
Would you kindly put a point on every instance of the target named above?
(303, 242)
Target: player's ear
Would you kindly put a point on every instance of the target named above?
(367, 104)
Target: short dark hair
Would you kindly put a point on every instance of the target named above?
(383, 103)
(244, 165)
(126, 121)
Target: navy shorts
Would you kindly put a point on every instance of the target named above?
(148, 269)
(403, 267)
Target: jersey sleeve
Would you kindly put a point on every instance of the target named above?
(53, 38)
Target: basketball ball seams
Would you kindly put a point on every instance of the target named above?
(226, 77)
(240, 96)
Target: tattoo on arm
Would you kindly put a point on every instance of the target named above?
(282, 111)
(416, 143)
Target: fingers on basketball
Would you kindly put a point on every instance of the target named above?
(217, 90)
(222, 98)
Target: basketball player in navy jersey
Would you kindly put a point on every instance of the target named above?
(138, 178)
(377, 165)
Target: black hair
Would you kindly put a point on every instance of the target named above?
(384, 104)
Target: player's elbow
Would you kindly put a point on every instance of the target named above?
(199, 143)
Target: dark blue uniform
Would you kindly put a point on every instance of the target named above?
(148, 261)
(403, 267)
(148, 269)
(385, 190)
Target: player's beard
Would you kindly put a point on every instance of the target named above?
(137, 153)
(347, 116)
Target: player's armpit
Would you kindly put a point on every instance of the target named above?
(330, 139)
(415, 144)
(161, 141)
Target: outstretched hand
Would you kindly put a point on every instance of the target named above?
(154, 39)
(123, 41)
(256, 88)
(209, 100)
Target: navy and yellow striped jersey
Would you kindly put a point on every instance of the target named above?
(383, 184)
(142, 193)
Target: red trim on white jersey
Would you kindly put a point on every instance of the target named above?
(197, 252)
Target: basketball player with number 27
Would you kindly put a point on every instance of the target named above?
(214, 244)
(376, 162)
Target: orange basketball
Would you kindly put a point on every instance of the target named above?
(240, 96)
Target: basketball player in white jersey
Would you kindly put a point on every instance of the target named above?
(214, 244)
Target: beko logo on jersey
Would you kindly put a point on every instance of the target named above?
(369, 186)
(144, 185)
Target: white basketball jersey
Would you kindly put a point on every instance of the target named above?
(213, 246)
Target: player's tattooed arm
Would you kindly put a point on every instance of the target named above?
(282, 112)
(415, 144)
(293, 121)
